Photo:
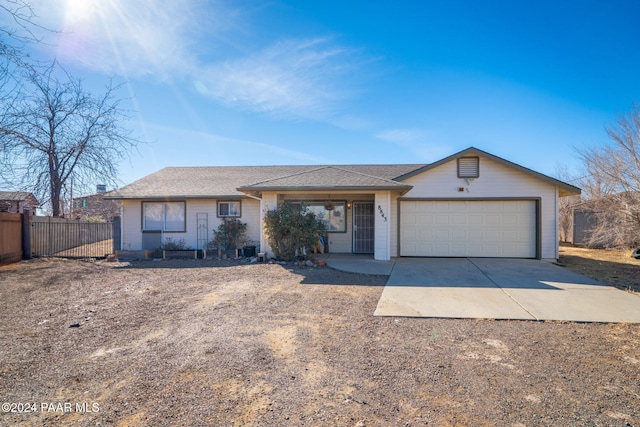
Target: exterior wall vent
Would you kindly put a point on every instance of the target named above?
(468, 167)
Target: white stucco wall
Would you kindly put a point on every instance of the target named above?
(495, 181)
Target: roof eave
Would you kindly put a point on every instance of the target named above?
(179, 197)
(564, 188)
(252, 190)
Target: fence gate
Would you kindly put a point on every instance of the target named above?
(10, 237)
(69, 238)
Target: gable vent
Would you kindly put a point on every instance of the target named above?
(468, 167)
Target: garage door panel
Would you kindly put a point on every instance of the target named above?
(425, 219)
(459, 235)
(468, 228)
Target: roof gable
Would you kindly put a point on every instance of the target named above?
(564, 188)
(327, 177)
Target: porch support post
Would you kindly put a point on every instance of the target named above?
(382, 244)
(268, 202)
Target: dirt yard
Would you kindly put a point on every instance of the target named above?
(613, 267)
(216, 343)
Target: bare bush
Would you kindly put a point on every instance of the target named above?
(612, 184)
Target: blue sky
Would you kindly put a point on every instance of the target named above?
(323, 81)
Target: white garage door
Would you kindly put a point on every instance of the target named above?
(468, 228)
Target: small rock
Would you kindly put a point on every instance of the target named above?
(309, 263)
(74, 325)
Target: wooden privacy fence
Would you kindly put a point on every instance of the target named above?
(70, 238)
(10, 237)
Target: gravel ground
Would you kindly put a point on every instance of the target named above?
(207, 343)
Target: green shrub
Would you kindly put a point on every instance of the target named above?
(171, 245)
(291, 229)
(231, 234)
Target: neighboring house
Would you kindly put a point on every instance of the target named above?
(95, 206)
(597, 222)
(470, 204)
(17, 202)
(583, 220)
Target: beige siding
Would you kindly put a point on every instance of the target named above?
(132, 221)
(495, 181)
(131, 225)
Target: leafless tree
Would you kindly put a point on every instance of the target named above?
(565, 205)
(15, 35)
(56, 130)
(612, 184)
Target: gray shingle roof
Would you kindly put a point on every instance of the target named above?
(328, 177)
(17, 196)
(224, 181)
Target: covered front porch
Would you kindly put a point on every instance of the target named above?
(355, 207)
(353, 221)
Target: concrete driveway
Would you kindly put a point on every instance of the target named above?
(501, 289)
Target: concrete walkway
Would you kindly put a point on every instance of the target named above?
(493, 289)
(361, 264)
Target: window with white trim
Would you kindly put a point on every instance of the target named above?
(229, 209)
(164, 216)
(468, 167)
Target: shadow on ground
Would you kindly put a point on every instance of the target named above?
(621, 275)
(309, 275)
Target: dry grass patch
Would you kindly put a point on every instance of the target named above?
(614, 267)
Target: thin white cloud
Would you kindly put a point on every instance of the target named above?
(403, 136)
(176, 41)
(218, 145)
(292, 77)
(423, 144)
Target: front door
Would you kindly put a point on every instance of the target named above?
(363, 227)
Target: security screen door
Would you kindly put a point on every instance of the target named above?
(363, 227)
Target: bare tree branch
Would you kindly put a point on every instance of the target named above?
(612, 184)
(57, 131)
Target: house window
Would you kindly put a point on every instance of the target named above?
(163, 216)
(229, 209)
(84, 203)
(468, 167)
(332, 214)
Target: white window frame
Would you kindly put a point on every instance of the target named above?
(237, 213)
